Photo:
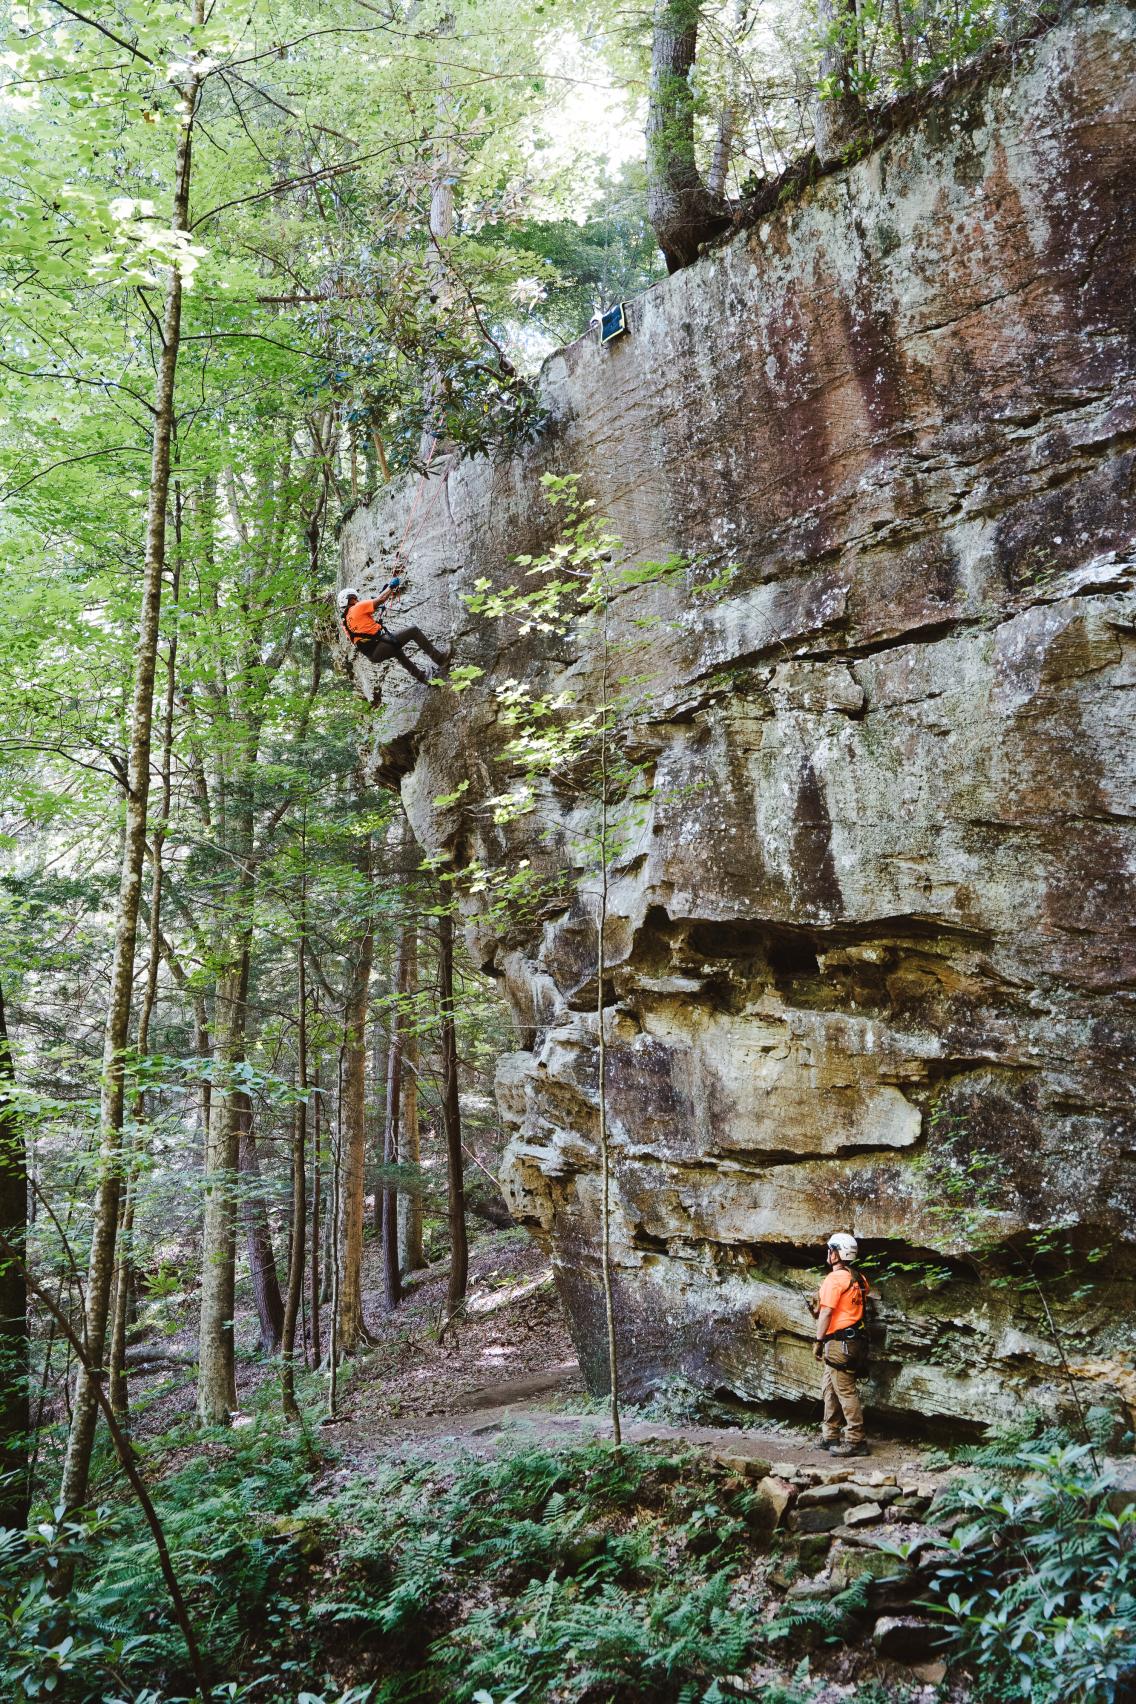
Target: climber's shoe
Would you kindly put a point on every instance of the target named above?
(827, 1445)
(860, 1449)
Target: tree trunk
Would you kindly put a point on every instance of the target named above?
(451, 1113)
(299, 1171)
(216, 1374)
(380, 1071)
(683, 212)
(838, 118)
(723, 149)
(120, 1311)
(314, 1296)
(124, 1284)
(14, 1364)
(258, 1233)
(116, 1033)
(392, 1278)
(410, 1204)
(333, 1219)
(352, 1330)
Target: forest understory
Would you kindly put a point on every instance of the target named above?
(463, 1530)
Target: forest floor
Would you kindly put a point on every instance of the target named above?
(458, 1489)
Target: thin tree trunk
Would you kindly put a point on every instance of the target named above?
(718, 175)
(124, 1271)
(392, 1280)
(723, 149)
(680, 207)
(14, 1363)
(380, 1071)
(336, 1151)
(216, 1373)
(117, 1385)
(352, 1329)
(410, 1202)
(330, 1228)
(838, 117)
(314, 1298)
(299, 1167)
(451, 1113)
(258, 1233)
(116, 1034)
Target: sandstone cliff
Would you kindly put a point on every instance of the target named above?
(873, 956)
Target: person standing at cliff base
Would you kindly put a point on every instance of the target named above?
(366, 629)
(842, 1347)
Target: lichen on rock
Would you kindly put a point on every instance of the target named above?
(872, 958)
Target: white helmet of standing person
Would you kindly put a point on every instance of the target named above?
(844, 1245)
(343, 598)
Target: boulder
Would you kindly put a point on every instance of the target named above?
(822, 1519)
(892, 1583)
(775, 1496)
(815, 1495)
(745, 1466)
(863, 1514)
(812, 1550)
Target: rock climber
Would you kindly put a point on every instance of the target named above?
(363, 621)
(842, 1346)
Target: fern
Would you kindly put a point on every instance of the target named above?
(832, 1619)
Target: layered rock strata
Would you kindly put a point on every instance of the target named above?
(871, 954)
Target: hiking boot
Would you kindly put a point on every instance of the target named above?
(827, 1444)
(860, 1449)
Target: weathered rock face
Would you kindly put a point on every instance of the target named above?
(871, 957)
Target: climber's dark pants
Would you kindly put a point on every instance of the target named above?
(387, 644)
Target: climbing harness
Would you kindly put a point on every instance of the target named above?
(856, 1338)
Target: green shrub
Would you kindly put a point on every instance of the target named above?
(236, 1556)
(1039, 1594)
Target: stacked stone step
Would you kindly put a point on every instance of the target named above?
(842, 1524)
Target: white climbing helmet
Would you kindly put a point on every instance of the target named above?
(343, 597)
(846, 1247)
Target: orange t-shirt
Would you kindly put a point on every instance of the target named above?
(360, 619)
(843, 1295)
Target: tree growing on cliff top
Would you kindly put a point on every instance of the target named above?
(737, 93)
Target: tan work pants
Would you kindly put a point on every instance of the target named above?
(838, 1393)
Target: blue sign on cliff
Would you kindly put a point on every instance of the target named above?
(613, 323)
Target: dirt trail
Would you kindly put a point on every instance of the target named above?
(418, 1393)
(527, 1409)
